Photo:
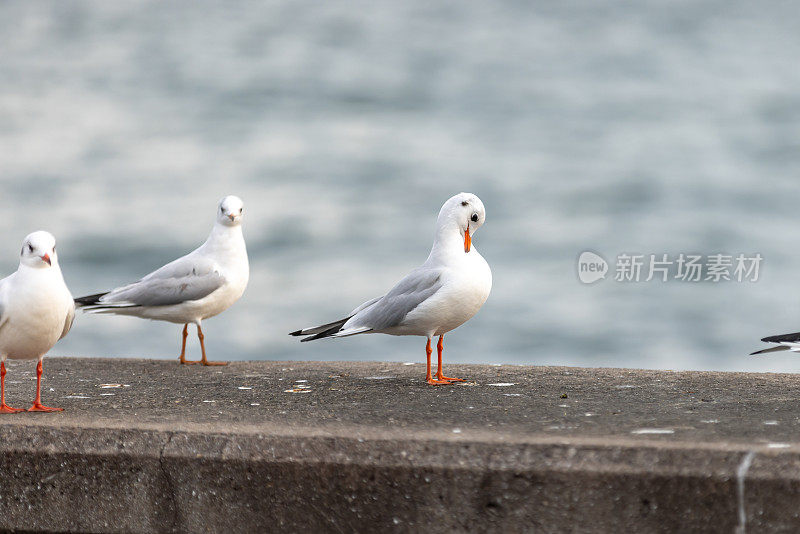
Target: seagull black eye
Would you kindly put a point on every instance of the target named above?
(30, 247)
(474, 217)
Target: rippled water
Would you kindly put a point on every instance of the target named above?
(652, 127)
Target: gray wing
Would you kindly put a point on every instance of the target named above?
(189, 278)
(68, 323)
(392, 308)
(367, 304)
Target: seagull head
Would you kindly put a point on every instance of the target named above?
(466, 212)
(39, 250)
(229, 211)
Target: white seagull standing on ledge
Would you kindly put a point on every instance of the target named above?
(190, 289)
(436, 297)
(36, 310)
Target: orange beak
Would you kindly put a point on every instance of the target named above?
(46, 259)
(467, 240)
(231, 216)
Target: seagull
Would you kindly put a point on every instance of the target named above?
(190, 289)
(785, 342)
(36, 310)
(433, 299)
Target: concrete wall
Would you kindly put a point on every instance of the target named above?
(131, 467)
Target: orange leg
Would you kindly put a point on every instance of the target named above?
(439, 375)
(203, 348)
(183, 347)
(430, 380)
(37, 404)
(5, 408)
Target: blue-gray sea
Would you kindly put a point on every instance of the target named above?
(650, 127)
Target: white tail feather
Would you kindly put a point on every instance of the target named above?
(351, 331)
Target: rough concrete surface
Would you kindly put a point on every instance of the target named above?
(151, 446)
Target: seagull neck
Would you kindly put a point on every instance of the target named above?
(448, 242)
(222, 236)
(51, 271)
(32, 268)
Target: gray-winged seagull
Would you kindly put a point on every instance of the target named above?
(436, 297)
(36, 310)
(190, 289)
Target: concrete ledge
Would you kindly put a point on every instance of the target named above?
(370, 447)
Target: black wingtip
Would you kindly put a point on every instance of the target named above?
(321, 331)
(89, 300)
(325, 334)
(794, 337)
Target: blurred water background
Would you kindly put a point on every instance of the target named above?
(645, 127)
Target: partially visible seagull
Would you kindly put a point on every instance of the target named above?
(36, 310)
(190, 289)
(784, 342)
(436, 297)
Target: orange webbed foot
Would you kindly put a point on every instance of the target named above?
(435, 382)
(442, 377)
(39, 407)
(5, 408)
